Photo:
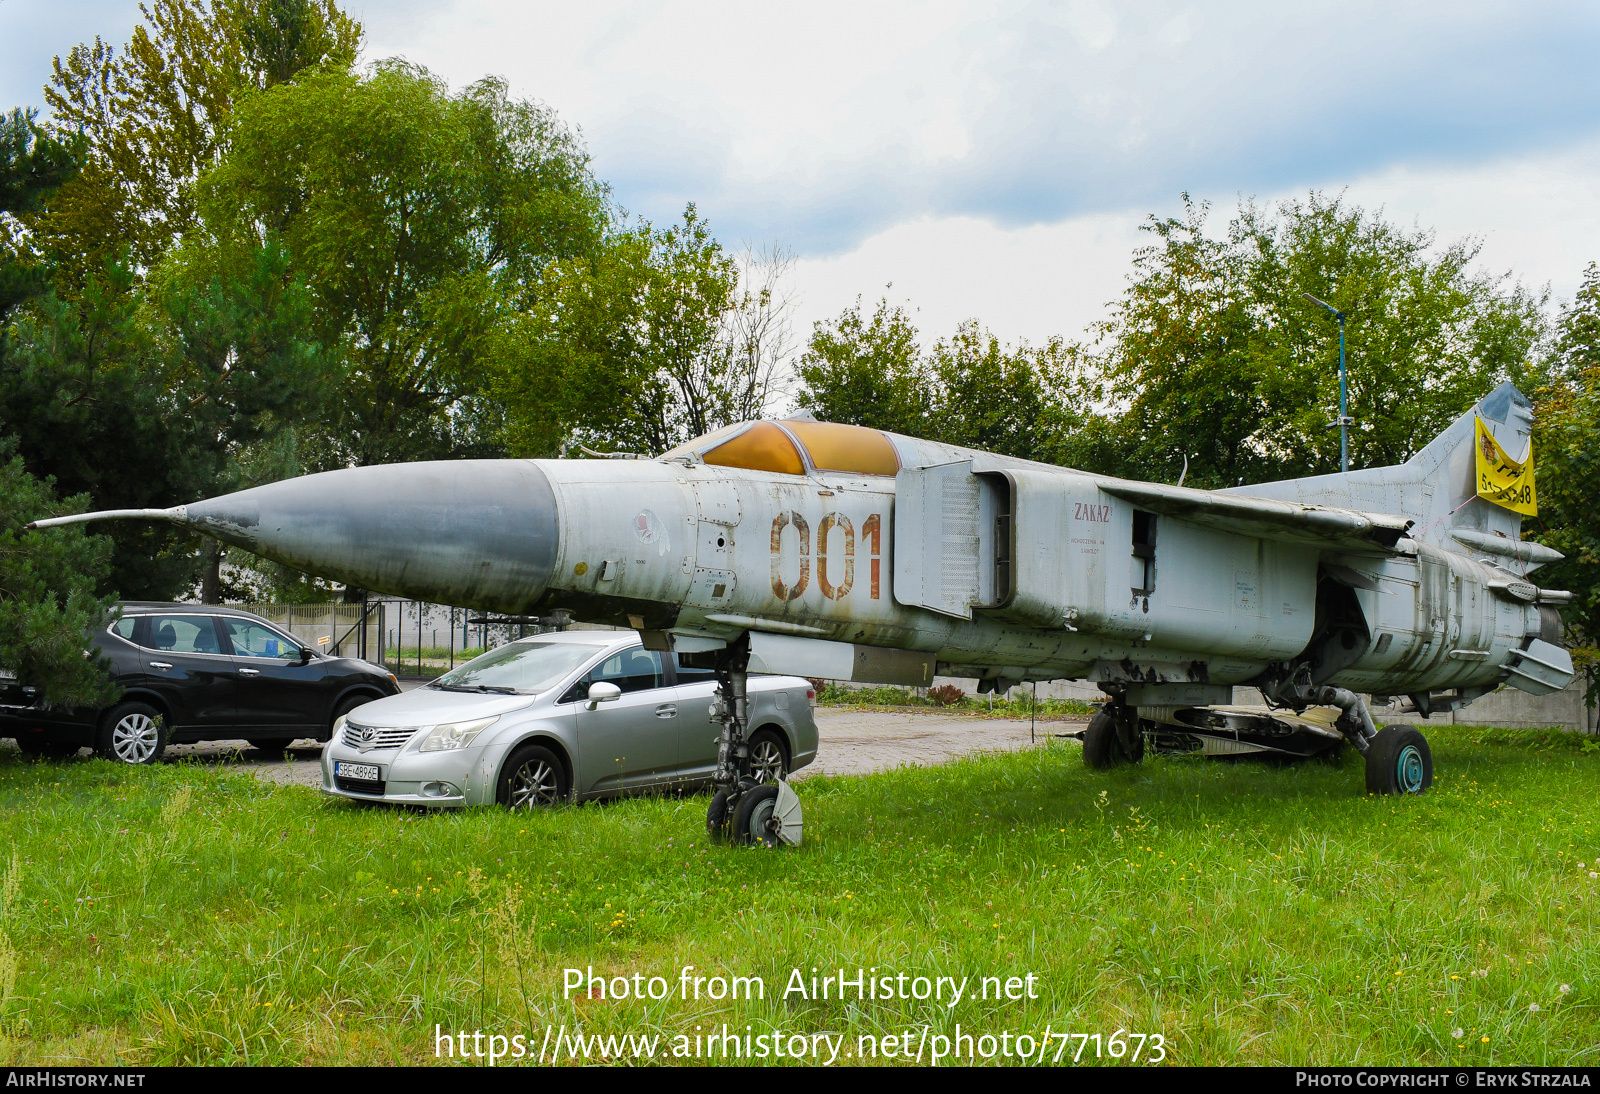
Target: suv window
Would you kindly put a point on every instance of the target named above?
(631, 670)
(123, 628)
(254, 640)
(182, 634)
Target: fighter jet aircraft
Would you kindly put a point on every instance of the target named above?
(847, 553)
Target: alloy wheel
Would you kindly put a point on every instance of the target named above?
(766, 761)
(533, 784)
(134, 738)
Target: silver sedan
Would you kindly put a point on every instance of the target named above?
(559, 717)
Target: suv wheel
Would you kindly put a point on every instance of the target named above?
(133, 733)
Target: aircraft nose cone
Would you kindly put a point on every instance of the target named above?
(475, 533)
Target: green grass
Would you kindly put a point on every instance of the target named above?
(436, 660)
(1020, 705)
(435, 653)
(1248, 913)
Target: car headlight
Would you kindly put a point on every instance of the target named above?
(338, 727)
(442, 738)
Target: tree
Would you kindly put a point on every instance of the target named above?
(970, 389)
(1569, 471)
(1016, 402)
(757, 333)
(680, 368)
(47, 578)
(420, 222)
(656, 336)
(142, 399)
(47, 591)
(869, 372)
(33, 166)
(1213, 353)
(151, 115)
(1576, 347)
(710, 339)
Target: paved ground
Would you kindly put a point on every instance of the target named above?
(852, 743)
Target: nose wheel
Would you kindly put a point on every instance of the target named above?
(761, 815)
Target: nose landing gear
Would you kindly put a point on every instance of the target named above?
(744, 810)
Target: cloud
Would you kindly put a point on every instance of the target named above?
(1534, 214)
(995, 160)
(825, 124)
(1032, 282)
(32, 32)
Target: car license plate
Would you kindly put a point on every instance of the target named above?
(356, 771)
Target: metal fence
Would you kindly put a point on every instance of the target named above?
(408, 637)
(330, 628)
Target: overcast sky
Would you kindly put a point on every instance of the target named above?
(995, 160)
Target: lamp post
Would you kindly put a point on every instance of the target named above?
(1344, 421)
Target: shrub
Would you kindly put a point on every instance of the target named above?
(946, 695)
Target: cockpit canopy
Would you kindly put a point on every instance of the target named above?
(791, 447)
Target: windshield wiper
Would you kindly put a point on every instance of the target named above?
(496, 688)
(449, 687)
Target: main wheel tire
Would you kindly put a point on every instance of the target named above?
(268, 746)
(1399, 761)
(719, 816)
(1103, 745)
(133, 733)
(769, 758)
(45, 746)
(752, 821)
(531, 778)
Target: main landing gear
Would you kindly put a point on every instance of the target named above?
(744, 810)
(1398, 760)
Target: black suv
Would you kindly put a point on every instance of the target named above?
(197, 672)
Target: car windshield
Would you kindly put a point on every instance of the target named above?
(521, 668)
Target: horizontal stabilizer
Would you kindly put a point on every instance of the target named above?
(1266, 518)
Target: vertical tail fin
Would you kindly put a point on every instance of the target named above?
(1438, 487)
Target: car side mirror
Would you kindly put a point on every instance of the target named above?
(602, 692)
(306, 654)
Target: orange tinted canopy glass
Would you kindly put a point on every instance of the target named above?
(762, 447)
(849, 448)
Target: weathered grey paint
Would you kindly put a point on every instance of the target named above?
(478, 533)
(708, 553)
